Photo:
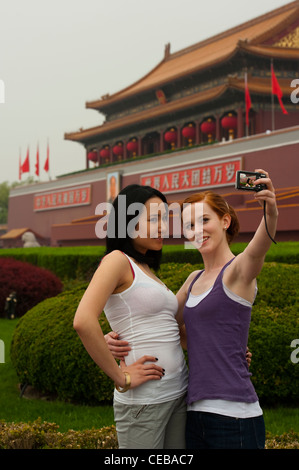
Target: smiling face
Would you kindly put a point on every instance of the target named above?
(152, 226)
(204, 228)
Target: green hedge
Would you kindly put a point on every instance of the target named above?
(66, 263)
(43, 435)
(274, 325)
(80, 262)
(48, 354)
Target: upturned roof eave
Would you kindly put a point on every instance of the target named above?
(259, 86)
(242, 46)
(130, 91)
(274, 52)
(99, 104)
(145, 115)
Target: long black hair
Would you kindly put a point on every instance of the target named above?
(117, 236)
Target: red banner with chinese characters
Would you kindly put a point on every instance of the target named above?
(201, 176)
(70, 197)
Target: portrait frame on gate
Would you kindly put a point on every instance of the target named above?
(112, 185)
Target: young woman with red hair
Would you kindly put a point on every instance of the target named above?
(215, 309)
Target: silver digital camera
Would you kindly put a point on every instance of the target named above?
(245, 180)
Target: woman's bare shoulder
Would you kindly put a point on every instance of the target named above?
(115, 256)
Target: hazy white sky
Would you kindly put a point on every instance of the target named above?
(57, 54)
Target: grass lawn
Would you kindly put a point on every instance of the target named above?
(77, 417)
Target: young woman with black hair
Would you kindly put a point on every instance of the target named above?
(149, 399)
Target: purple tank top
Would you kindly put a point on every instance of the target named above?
(217, 334)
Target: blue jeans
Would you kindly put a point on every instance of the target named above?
(212, 431)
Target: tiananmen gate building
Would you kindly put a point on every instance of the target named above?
(183, 128)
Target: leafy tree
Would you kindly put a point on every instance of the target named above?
(4, 193)
(5, 187)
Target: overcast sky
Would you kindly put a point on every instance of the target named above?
(57, 54)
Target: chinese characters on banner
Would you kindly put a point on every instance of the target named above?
(78, 196)
(196, 177)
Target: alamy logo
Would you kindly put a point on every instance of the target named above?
(295, 353)
(2, 92)
(295, 93)
(2, 352)
(186, 219)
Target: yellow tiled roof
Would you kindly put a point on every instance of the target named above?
(256, 85)
(207, 53)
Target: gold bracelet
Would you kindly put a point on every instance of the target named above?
(127, 384)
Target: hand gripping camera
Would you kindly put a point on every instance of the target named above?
(245, 180)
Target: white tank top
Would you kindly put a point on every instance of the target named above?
(144, 315)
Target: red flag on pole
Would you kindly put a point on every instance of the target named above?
(247, 101)
(25, 166)
(276, 90)
(37, 162)
(47, 163)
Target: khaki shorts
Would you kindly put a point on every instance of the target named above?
(160, 426)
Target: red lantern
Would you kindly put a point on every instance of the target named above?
(132, 146)
(118, 150)
(230, 123)
(170, 137)
(104, 153)
(189, 133)
(92, 156)
(208, 127)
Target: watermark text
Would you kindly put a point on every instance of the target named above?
(295, 353)
(158, 219)
(2, 352)
(295, 93)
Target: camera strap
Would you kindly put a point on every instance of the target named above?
(266, 224)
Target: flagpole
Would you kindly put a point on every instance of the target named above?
(47, 163)
(48, 157)
(28, 153)
(272, 99)
(37, 172)
(247, 130)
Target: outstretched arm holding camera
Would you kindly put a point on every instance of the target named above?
(218, 303)
(249, 263)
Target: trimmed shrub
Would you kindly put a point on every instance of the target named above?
(278, 285)
(175, 274)
(43, 435)
(274, 375)
(287, 440)
(65, 262)
(80, 262)
(31, 284)
(49, 355)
